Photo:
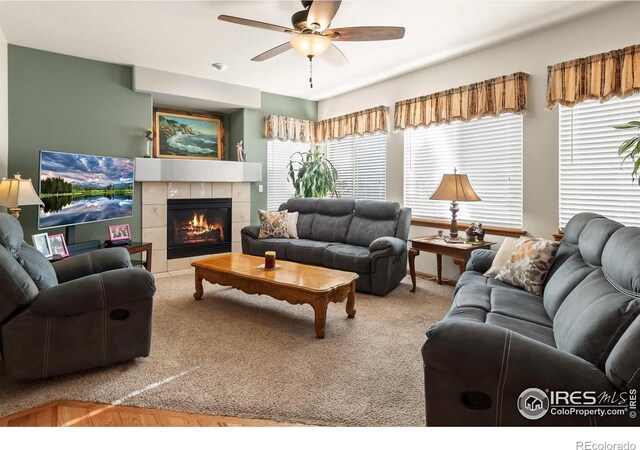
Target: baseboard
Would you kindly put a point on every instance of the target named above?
(430, 277)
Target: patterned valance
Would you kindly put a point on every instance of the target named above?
(506, 94)
(368, 121)
(612, 74)
(288, 129)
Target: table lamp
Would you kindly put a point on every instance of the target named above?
(455, 188)
(16, 192)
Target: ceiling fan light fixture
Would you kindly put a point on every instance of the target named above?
(310, 45)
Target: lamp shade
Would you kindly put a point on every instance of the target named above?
(455, 187)
(310, 44)
(16, 192)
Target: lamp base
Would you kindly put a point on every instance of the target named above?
(453, 230)
(15, 212)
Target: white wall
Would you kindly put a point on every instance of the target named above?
(607, 29)
(4, 106)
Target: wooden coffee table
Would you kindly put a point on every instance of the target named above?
(295, 283)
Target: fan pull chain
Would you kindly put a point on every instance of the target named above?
(311, 72)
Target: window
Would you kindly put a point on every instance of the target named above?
(279, 189)
(592, 177)
(488, 150)
(361, 163)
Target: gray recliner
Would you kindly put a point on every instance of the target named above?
(82, 312)
(368, 237)
(583, 334)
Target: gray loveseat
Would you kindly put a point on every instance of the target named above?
(364, 236)
(582, 335)
(86, 311)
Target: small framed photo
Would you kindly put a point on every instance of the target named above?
(58, 245)
(119, 232)
(41, 243)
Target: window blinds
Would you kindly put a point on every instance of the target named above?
(488, 150)
(591, 175)
(361, 163)
(279, 189)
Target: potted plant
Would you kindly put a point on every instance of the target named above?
(631, 147)
(312, 174)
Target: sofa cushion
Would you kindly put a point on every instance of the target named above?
(38, 267)
(621, 260)
(593, 317)
(330, 228)
(335, 206)
(511, 302)
(564, 280)
(531, 330)
(373, 219)
(257, 247)
(347, 257)
(306, 251)
(16, 287)
(471, 277)
(11, 234)
(528, 266)
(306, 207)
(273, 224)
(594, 237)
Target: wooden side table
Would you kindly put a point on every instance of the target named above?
(139, 247)
(459, 252)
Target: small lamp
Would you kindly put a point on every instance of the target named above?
(455, 188)
(16, 192)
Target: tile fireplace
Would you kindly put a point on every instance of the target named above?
(198, 226)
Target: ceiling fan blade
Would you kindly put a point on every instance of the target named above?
(322, 13)
(365, 33)
(335, 57)
(254, 23)
(275, 51)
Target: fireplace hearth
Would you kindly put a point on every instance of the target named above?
(198, 227)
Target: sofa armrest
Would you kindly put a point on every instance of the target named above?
(97, 261)
(387, 246)
(487, 353)
(481, 260)
(97, 291)
(252, 231)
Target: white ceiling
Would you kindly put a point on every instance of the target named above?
(186, 37)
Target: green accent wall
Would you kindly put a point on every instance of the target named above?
(68, 104)
(255, 145)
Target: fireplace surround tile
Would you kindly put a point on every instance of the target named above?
(221, 190)
(241, 192)
(177, 189)
(178, 264)
(241, 212)
(159, 262)
(157, 236)
(201, 190)
(154, 216)
(154, 193)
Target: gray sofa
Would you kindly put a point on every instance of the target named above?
(582, 335)
(364, 236)
(82, 312)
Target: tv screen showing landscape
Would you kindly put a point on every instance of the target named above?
(79, 188)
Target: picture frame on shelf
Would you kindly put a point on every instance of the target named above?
(119, 232)
(58, 245)
(187, 135)
(41, 243)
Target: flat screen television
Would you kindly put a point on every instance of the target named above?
(78, 188)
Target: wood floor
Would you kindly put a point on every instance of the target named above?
(66, 413)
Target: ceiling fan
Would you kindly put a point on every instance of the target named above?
(311, 35)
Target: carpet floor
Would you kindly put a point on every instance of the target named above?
(242, 355)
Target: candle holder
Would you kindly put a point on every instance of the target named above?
(269, 260)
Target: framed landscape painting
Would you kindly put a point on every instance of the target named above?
(181, 134)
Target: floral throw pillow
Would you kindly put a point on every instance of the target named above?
(529, 265)
(273, 224)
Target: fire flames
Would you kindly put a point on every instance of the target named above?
(199, 228)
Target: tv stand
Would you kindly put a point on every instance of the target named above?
(80, 247)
